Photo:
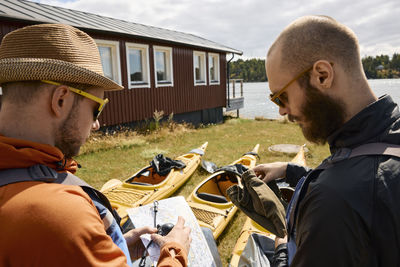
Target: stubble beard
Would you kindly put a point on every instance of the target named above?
(67, 137)
(322, 114)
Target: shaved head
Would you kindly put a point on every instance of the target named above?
(314, 69)
(312, 38)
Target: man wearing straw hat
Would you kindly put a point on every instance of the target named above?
(53, 87)
(346, 211)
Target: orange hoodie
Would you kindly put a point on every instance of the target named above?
(51, 224)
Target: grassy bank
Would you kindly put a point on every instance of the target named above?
(120, 155)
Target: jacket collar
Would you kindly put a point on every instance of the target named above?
(366, 126)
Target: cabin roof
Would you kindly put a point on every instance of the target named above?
(37, 12)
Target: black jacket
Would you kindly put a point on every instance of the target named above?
(350, 215)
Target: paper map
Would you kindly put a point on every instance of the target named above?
(168, 211)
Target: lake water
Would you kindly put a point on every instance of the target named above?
(257, 103)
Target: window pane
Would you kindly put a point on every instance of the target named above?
(212, 68)
(161, 66)
(106, 61)
(135, 65)
(197, 65)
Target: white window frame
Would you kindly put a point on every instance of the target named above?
(115, 57)
(203, 55)
(218, 80)
(169, 65)
(145, 65)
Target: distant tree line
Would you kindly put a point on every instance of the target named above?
(250, 70)
(382, 67)
(379, 67)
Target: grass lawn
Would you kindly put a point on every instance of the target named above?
(120, 155)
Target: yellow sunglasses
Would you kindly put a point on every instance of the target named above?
(102, 102)
(276, 97)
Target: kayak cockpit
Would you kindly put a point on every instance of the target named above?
(188, 156)
(214, 189)
(148, 176)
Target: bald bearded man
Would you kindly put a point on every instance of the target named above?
(345, 212)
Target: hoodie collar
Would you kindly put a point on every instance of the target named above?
(17, 153)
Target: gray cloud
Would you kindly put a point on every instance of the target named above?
(252, 25)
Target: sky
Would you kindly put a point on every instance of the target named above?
(251, 26)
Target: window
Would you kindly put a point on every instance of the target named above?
(199, 68)
(138, 65)
(213, 68)
(163, 66)
(109, 54)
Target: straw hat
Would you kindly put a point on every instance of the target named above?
(52, 52)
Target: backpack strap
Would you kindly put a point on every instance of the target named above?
(370, 149)
(43, 173)
(35, 173)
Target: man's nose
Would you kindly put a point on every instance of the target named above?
(283, 111)
(95, 125)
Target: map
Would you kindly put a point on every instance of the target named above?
(168, 211)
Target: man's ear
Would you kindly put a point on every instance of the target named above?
(322, 74)
(61, 100)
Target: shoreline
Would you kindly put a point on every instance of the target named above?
(232, 114)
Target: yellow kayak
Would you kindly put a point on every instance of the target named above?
(251, 227)
(146, 185)
(209, 201)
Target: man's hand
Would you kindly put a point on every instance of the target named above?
(271, 171)
(179, 234)
(135, 245)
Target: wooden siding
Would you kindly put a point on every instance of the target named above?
(137, 104)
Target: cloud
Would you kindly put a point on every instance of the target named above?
(252, 25)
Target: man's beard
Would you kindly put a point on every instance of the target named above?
(67, 137)
(322, 115)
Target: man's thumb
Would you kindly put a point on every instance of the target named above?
(156, 238)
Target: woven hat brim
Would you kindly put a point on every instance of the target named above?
(33, 69)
